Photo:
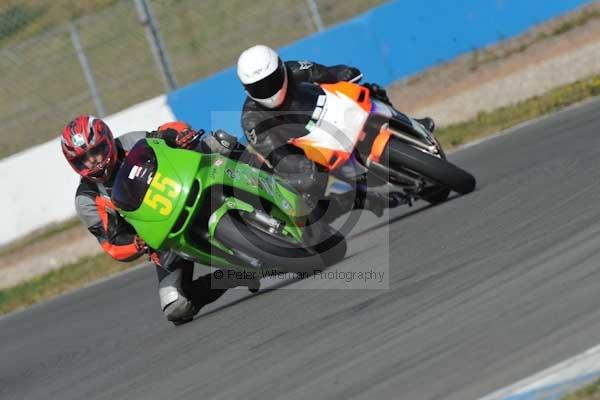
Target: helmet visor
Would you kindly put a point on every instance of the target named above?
(94, 160)
(267, 87)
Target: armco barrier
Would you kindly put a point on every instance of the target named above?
(388, 42)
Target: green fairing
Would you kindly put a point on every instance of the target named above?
(231, 203)
(177, 170)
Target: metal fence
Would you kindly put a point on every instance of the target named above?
(71, 57)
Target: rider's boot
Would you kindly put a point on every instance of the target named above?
(253, 285)
(186, 297)
(175, 303)
(428, 123)
(377, 203)
(339, 204)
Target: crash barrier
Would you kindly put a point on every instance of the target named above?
(388, 42)
(41, 184)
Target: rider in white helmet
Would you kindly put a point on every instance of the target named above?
(266, 78)
(270, 85)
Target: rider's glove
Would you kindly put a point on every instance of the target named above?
(348, 74)
(343, 73)
(140, 244)
(177, 134)
(188, 139)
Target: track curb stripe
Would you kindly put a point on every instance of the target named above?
(556, 381)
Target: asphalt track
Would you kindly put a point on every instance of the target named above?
(484, 290)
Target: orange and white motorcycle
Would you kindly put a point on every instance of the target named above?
(373, 147)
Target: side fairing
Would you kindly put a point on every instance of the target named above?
(220, 170)
(180, 187)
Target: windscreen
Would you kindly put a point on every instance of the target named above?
(134, 177)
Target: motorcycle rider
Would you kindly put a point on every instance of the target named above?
(271, 85)
(90, 148)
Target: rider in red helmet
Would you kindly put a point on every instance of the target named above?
(90, 148)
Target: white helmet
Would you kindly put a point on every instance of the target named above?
(263, 75)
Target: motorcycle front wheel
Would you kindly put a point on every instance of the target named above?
(276, 253)
(441, 173)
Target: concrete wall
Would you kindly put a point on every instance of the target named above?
(389, 42)
(39, 183)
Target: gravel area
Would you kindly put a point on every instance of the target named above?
(46, 254)
(451, 92)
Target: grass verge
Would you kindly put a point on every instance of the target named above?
(59, 281)
(487, 123)
(39, 235)
(90, 269)
(41, 68)
(590, 392)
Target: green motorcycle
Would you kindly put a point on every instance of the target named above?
(217, 211)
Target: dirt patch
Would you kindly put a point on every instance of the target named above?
(46, 254)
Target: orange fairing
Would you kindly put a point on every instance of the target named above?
(329, 158)
(359, 94)
(344, 106)
(379, 145)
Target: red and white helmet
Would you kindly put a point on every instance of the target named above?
(89, 137)
(263, 75)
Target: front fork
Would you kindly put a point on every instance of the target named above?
(406, 129)
(258, 218)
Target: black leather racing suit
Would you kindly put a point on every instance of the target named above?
(268, 131)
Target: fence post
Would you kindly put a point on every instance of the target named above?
(85, 66)
(156, 44)
(314, 11)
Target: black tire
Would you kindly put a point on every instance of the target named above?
(276, 253)
(438, 193)
(399, 155)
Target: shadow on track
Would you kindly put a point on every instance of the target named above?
(274, 287)
(277, 286)
(401, 217)
(289, 282)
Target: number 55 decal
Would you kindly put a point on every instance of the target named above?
(159, 202)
